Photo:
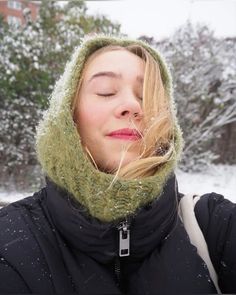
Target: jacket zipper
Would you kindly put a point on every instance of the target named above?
(117, 270)
(124, 246)
(124, 238)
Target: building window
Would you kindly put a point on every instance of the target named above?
(13, 20)
(14, 5)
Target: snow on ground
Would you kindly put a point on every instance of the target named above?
(219, 178)
(9, 197)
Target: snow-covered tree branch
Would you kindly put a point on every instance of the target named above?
(204, 71)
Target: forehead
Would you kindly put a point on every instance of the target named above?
(119, 61)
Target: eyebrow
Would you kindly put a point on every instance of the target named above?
(112, 75)
(105, 74)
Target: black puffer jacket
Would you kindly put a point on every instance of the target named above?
(49, 245)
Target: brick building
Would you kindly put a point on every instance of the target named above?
(18, 11)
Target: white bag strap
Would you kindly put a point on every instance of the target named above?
(187, 215)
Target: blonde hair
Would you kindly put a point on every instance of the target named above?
(157, 144)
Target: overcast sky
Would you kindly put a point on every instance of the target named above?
(159, 18)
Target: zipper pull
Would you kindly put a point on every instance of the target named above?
(124, 239)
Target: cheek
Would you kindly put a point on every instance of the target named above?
(92, 117)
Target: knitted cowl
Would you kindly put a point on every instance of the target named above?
(63, 160)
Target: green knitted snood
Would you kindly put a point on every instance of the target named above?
(63, 160)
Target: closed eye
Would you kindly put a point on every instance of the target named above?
(105, 94)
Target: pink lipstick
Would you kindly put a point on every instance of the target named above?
(125, 134)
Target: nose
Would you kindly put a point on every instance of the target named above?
(130, 108)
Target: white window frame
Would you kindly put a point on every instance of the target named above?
(13, 20)
(14, 4)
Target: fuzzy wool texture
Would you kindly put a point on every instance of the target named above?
(61, 154)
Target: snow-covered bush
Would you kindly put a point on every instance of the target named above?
(204, 71)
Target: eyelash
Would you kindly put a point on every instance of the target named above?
(106, 94)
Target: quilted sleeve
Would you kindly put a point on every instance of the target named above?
(217, 218)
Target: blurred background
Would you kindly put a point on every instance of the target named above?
(196, 37)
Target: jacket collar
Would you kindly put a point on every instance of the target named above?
(100, 240)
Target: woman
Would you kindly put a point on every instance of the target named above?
(107, 221)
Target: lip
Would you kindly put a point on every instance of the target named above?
(125, 134)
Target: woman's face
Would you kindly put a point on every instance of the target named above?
(109, 109)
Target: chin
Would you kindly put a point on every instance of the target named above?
(111, 165)
(126, 161)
